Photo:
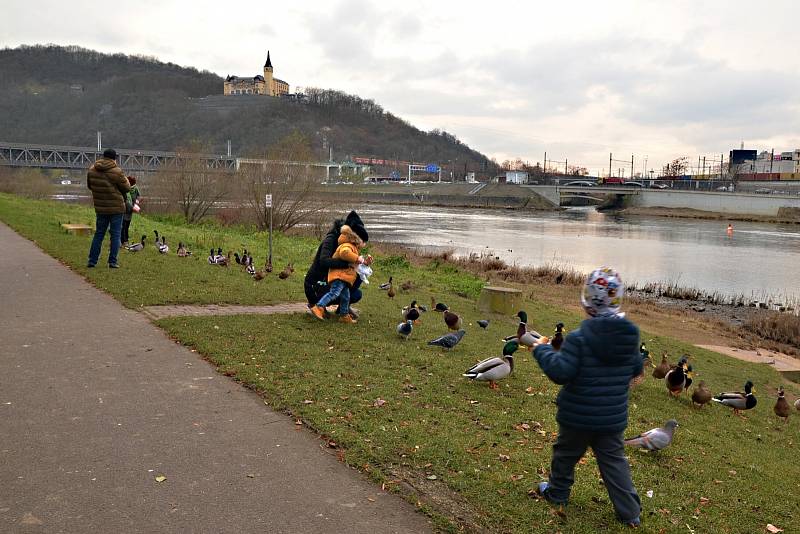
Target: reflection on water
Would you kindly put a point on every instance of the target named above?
(759, 259)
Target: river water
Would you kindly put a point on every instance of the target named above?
(758, 261)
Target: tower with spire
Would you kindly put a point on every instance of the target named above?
(268, 79)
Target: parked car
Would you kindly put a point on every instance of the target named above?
(763, 191)
(659, 186)
(633, 184)
(580, 183)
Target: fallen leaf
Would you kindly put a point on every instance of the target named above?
(431, 477)
(250, 475)
(504, 457)
(704, 500)
(370, 499)
(160, 478)
(649, 493)
(772, 528)
(379, 402)
(308, 401)
(529, 389)
(517, 477)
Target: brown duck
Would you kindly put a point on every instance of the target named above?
(701, 394)
(662, 368)
(452, 320)
(286, 272)
(782, 408)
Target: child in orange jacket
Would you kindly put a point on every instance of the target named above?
(341, 280)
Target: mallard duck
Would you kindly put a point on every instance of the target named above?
(163, 248)
(493, 369)
(662, 368)
(286, 272)
(452, 320)
(797, 405)
(701, 394)
(676, 378)
(391, 292)
(525, 336)
(408, 285)
(259, 275)
(438, 306)
(737, 400)
(645, 354)
(483, 323)
(219, 257)
(136, 247)
(212, 258)
(386, 285)
(182, 251)
(782, 408)
(411, 312)
(689, 378)
(448, 341)
(224, 261)
(558, 337)
(405, 328)
(656, 439)
(238, 259)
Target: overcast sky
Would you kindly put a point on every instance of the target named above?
(511, 78)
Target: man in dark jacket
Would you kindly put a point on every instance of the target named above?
(109, 186)
(595, 366)
(316, 281)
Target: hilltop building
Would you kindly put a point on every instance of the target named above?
(257, 85)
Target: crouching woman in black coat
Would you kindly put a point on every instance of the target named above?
(316, 281)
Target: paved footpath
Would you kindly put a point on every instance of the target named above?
(95, 402)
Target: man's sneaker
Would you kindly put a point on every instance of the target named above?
(633, 523)
(354, 313)
(113, 265)
(318, 312)
(347, 319)
(90, 265)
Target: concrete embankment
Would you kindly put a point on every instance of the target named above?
(498, 196)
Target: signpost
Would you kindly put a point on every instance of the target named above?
(268, 205)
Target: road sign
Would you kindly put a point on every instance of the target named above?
(268, 201)
(432, 167)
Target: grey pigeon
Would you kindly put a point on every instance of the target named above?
(483, 323)
(448, 341)
(655, 439)
(404, 329)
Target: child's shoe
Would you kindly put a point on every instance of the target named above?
(318, 312)
(347, 319)
(542, 491)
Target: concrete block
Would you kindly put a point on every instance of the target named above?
(504, 300)
(78, 229)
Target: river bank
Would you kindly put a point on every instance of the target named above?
(791, 216)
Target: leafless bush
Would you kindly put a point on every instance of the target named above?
(31, 183)
(292, 186)
(191, 187)
(776, 326)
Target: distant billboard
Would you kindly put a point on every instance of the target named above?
(738, 157)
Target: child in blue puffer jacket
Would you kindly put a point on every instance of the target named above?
(595, 366)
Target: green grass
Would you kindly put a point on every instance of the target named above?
(436, 423)
(149, 278)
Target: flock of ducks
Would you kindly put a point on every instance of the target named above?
(215, 257)
(678, 378)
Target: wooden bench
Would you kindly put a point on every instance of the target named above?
(505, 300)
(78, 229)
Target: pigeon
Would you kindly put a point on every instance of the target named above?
(448, 341)
(782, 408)
(483, 323)
(405, 328)
(493, 369)
(656, 439)
(701, 394)
(737, 400)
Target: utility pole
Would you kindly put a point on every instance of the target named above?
(229, 147)
(566, 166)
(609, 164)
(99, 141)
(704, 166)
(544, 169)
(631, 166)
(771, 159)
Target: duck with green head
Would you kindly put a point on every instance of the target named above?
(493, 369)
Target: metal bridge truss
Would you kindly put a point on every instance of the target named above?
(69, 157)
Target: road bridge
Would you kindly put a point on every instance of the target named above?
(558, 193)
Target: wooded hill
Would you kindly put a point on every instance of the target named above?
(64, 95)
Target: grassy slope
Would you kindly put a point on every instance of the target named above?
(436, 423)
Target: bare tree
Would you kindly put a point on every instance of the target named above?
(190, 186)
(289, 179)
(676, 167)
